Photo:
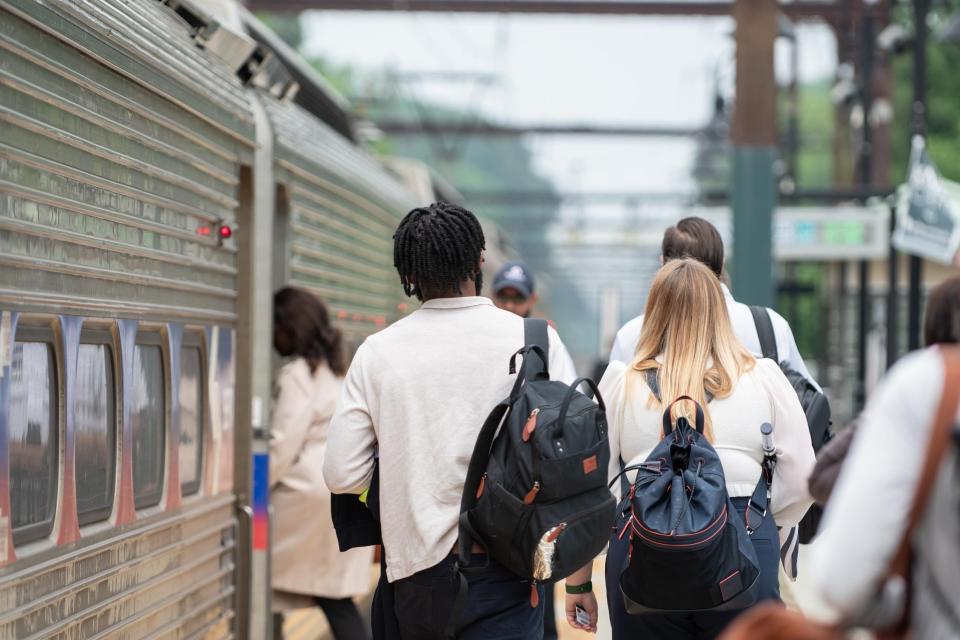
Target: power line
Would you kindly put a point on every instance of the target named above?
(401, 127)
(799, 9)
(717, 196)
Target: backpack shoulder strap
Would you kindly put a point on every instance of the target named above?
(472, 487)
(535, 335)
(650, 376)
(937, 445)
(475, 470)
(768, 339)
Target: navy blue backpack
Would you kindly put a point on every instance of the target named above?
(689, 549)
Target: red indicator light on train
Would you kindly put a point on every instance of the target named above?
(203, 231)
(342, 315)
(225, 232)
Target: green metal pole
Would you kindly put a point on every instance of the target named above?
(754, 136)
(754, 200)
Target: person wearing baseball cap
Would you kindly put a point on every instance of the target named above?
(513, 289)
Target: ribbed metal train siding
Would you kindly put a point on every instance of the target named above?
(105, 180)
(119, 138)
(168, 579)
(343, 210)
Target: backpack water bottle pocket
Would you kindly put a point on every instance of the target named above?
(565, 542)
(501, 518)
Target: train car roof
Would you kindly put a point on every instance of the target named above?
(316, 95)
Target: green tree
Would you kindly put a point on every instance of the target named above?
(286, 26)
(943, 104)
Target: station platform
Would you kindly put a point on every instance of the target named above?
(310, 624)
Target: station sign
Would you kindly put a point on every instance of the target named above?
(928, 210)
(837, 232)
(821, 233)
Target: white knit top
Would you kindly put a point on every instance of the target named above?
(762, 394)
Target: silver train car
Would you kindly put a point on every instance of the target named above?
(159, 178)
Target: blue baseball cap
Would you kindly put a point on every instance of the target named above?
(515, 275)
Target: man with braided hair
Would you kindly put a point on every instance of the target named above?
(416, 395)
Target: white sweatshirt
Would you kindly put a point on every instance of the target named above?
(420, 390)
(762, 394)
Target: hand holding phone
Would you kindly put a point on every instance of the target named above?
(581, 616)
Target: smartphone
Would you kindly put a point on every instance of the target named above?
(581, 616)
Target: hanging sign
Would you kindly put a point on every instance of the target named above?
(928, 210)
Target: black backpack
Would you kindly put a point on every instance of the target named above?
(536, 496)
(689, 549)
(814, 403)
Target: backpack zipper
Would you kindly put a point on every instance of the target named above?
(530, 424)
(532, 494)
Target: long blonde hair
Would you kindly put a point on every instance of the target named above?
(687, 325)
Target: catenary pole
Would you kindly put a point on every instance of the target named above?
(864, 177)
(918, 127)
(754, 138)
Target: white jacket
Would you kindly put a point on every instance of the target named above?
(306, 557)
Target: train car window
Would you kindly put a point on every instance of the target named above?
(191, 418)
(34, 425)
(94, 423)
(149, 423)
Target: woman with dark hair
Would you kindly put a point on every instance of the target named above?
(942, 324)
(308, 568)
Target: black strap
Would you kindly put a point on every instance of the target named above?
(535, 334)
(653, 381)
(757, 505)
(466, 535)
(768, 339)
(459, 603)
(475, 471)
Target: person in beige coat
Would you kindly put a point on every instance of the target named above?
(308, 567)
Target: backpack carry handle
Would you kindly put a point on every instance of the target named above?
(668, 416)
(568, 397)
(523, 351)
(565, 405)
(528, 362)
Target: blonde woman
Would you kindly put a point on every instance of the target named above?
(688, 340)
